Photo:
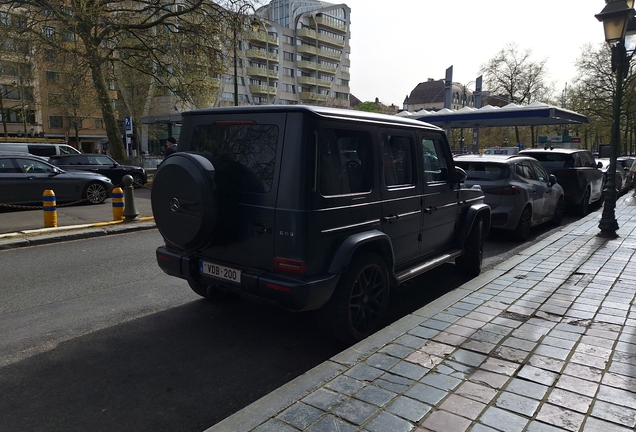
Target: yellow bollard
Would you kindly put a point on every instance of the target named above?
(117, 196)
(49, 204)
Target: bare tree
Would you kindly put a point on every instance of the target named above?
(513, 73)
(173, 41)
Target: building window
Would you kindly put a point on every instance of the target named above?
(56, 121)
(288, 56)
(288, 72)
(52, 77)
(288, 40)
(99, 123)
(54, 99)
(68, 36)
(48, 32)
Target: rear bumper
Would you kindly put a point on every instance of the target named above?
(293, 293)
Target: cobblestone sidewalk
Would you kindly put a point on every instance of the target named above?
(544, 342)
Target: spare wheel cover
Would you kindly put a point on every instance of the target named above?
(184, 202)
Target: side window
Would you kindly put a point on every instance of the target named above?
(32, 166)
(435, 165)
(542, 174)
(397, 160)
(42, 150)
(588, 160)
(524, 169)
(345, 162)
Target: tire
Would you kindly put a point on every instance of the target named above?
(212, 293)
(138, 180)
(359, 302)
(584, 207)
(95, 193)
(522, 231)
(469, 264)
(559, 212)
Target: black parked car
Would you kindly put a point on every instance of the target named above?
(24, 178)
(576, 171)
(314, 208)
(102, 164)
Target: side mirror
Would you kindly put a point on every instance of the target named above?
(552, 179)
(459, 175)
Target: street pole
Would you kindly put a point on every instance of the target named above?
(608, 223)
(236, 99)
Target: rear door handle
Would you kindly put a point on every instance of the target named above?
(390, 218)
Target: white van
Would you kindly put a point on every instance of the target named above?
(38, 149)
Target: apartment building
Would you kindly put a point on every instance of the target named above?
(295, 52)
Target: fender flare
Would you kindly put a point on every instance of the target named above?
(346, 250)
(475, 211)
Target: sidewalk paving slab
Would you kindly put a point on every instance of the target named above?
(544, 342)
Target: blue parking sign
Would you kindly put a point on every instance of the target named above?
(128, 125)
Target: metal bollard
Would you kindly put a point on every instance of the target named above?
(49, 204)
(130, 211)
(118, 204)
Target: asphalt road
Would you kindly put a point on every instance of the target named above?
(94, 337)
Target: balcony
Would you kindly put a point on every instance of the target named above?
(263, 37)
(303, 64)
(303, 80)
(306, 49)
(262, 72)
(331, 40)
(338, 25)
(262, 89)
(261, 54)
(306, 33)
(313, 97)
(330, 55)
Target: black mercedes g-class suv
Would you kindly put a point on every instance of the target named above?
(314, 208)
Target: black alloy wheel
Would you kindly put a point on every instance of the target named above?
(359, 301)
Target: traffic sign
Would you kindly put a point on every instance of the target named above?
(128, 125)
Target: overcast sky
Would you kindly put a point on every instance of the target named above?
(396, 44)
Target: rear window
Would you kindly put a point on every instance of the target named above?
(244, 154)
(553, 161)
(484, 171)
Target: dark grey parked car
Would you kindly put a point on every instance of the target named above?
(24, 178)
(314, 208)
(576, 171)
(102, 164)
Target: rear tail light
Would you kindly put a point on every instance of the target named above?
(507, 190)
(289, 265)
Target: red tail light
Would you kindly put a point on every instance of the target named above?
(508, 190)
(289, 265)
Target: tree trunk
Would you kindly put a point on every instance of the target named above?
(108, 112)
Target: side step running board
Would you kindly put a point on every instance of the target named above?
(426, 266)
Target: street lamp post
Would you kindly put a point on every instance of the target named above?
(615, 16)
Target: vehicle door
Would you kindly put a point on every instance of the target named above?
(593, 175)
(551, 195)
(11, 180)
(107, 167)
(401, 193)
(440, 200)
(536, 189)
(36, 177)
